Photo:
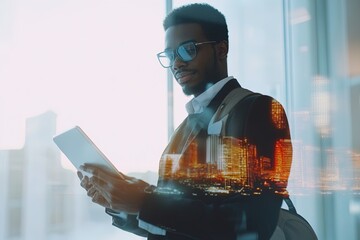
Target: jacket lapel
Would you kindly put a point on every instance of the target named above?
(194, 123)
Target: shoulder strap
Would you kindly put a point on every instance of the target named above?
(219, 118)
(290, 205)
(230, 101)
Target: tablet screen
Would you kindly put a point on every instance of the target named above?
(79, 149)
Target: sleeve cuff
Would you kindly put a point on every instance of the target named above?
(120, 220)
(151, 228)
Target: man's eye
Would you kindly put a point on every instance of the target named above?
(190, 49)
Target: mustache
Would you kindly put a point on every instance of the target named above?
(180, 73)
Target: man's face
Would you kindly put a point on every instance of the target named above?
(198, 74)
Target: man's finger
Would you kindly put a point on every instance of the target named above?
(80, 175)
(99, 199)
(101, 172)
(91, 191)
(104, 188)
(85, 183)
(109, 187)
(88, 168)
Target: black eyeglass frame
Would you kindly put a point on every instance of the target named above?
(177, 54)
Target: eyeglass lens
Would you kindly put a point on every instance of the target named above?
(186, 52)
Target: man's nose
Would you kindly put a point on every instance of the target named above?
(178, 63)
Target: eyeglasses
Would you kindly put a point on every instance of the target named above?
(186, 52)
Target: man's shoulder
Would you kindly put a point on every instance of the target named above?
(255, 104)
(252, 99)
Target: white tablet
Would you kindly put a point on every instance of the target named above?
(79, 149)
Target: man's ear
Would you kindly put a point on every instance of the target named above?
(222, 49)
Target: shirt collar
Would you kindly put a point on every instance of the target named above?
(197, 104)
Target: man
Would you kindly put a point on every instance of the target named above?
(222, 176)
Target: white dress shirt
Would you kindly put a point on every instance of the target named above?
(199, 103)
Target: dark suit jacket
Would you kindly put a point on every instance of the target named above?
(185, 216)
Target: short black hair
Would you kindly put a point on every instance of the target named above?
(210, 19)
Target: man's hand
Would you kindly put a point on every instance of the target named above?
(116, 191)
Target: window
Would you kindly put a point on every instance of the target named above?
(67, 63)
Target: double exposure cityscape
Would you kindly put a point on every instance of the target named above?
(232, 165)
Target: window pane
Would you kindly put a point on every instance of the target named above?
(293, 51)
(67, 63)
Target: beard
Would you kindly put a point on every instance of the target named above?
(197, 89)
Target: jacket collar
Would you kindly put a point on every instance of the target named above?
(194, 123)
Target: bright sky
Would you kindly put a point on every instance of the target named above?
(94, 64)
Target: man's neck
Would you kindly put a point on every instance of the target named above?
(198, 103)
(211, 83)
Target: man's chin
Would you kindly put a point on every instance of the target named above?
(195, 90)
(187, 91)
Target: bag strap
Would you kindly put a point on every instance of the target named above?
(290, 205)
(230, 101)
(218, 120)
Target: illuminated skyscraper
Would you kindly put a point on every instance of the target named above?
(214, 153)
(169, 166)
(283, 158)
(239, 160)
(189, 161)
(278, 115)
(234, 159)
